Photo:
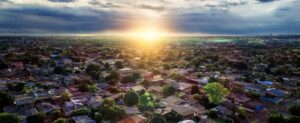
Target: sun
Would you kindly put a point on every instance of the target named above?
(149, 35)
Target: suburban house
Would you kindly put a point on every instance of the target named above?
(187, 111)
(83, 119)
(253, 106)
(273, 95)
(265, 82)
(135, 118)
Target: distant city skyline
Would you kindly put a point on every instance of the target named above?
(174, 17)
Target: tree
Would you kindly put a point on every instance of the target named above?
(156, 118)
(65, 96)
(39, 118)
(168, 90)
(177, 76)
(19, 86)
(127, 79)
(295, 110)
(113, 90)
(55, 114)
(80, 111)
(197, 96)
(203, 100)
(146, 102)
(293, 119)
(98, 117)
(242, 112)
(110, 111)
(131, 98)
(212, 114)
(9, 118)
(16, 87)
(166, 66)
(3, 64)
(107, 66)
(146, 83)
(212, 79)
(119, 65)
(60, 120)
(113, 76)
(10, 56)
(194, 89)
(275, 117)
(92, 88)
(58, 70)
(155, 72)
(136, 76)
(93, 70)
(215, 92)
(83, 87)
(5, 100)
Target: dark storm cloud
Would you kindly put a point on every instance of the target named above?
(225, 23)
(223, 17)
(264, 1)
(46, 20)
(64, 1)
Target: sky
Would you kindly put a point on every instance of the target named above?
(198, 17)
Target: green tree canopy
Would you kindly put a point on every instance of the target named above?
(128, 79)
(39, 118)
(215, 92)
(146, 83)
(16, 86)
(65, 96)
(60, 120)
(110, 111)
(168, 90)
(166, 66)
(136, 76)
(98, 117)
(5, 100)
(275, 117)
(80, 111)
(61, 70)
(156, 118)
(93, 70)
(194, 89)
(9, 118)
(119, 65)
(295, 110)
(146, 102)
(113, 76)
(3, 64)
(131, 98)
(293, 119)
(93, 88)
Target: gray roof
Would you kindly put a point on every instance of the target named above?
(83, 119)
(185, 110)
(23, 100)
(173, 100)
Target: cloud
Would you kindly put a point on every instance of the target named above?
(265, 1)
(284, 9)
(47, 20)
(191, 16)
(64, 1)
(104, 5)
(151, 7)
